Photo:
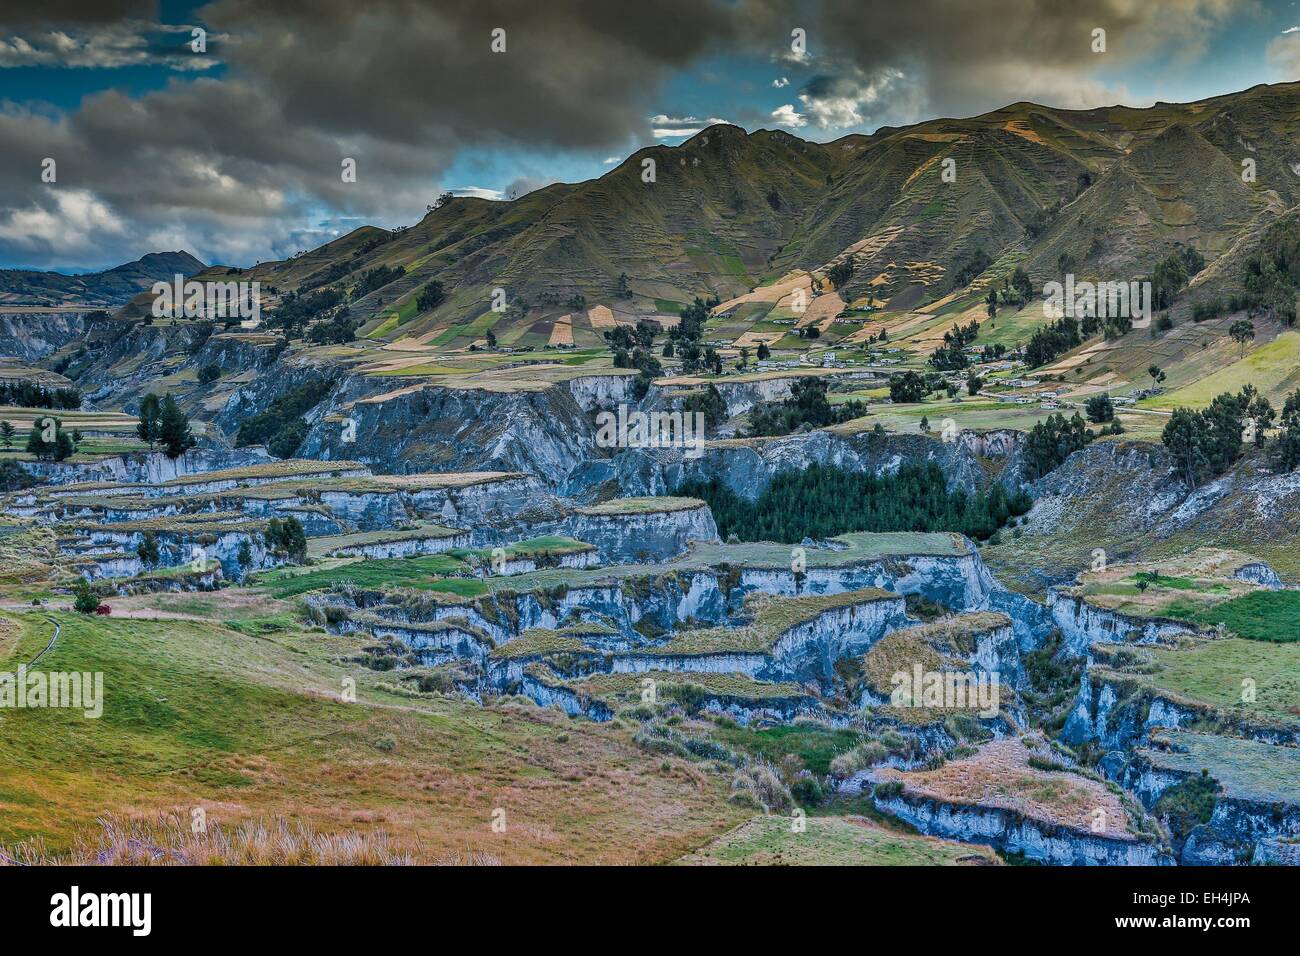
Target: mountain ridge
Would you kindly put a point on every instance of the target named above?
(109, 288)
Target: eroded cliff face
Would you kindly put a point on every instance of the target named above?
(110, 554)
(494, 503)
(145, 467)
(642, 613)
(1082, 623)
(1125, 495)
(739, 396)
(1013, 832)
(31, 336)
(1241, 829)
(812, 648)
(430, 428)
(641, 537)
(970, 462)
(121, 361)
(1120, 713)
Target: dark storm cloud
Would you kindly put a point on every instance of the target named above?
(225, 166)
(397, 85)
(962, 58)
(573, 74)
(16, 14)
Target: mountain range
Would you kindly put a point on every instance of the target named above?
(1108, 190)
(108, 289)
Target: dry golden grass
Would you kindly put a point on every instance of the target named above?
(601, 318)
(999, 775)
(174, 841)
(251, 728)
(562, 331)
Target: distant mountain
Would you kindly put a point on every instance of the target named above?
(96, 290)
(1108, 191)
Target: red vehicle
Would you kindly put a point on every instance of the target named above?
(104, 610)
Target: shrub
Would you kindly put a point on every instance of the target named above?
(1187, 804)
(85, 600)
(807, 791)
(760, 783)
(148, 549)
(889, 789)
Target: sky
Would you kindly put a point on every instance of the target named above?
(221, 128)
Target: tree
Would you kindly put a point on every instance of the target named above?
(840, 273)
(925, 424)
(491, 339)
(1157, 375)
(709, 403)
(430, 297)
(807, 407)
(1205, 444)
(712, 360)
(1168, 277)
(84, 600)
(824, 500)
(1182, 436)
(691, 357)
(287, 538)
(1051, 340)
(973, 384)
(1242, 331)
(1051, 441)
(48, 441)
(975, 263)
(992, 300)
(13, 477)
(1259, 411)
(764, 353)
(1023, 285)
(148, 548)
(174, 429)
(147, 430)
(209, 373)
(1223, 420)
(907, 387)
(7, 434)
(1286, 447)
(1100, 409)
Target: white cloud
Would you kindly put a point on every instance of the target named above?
(612, 160)
(845, 101)
(668, 127)
(787, 116)
(107, 46)
(1283, 54)
(1291, 30)
(782, 82)
(478, 192)
(74, 223)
